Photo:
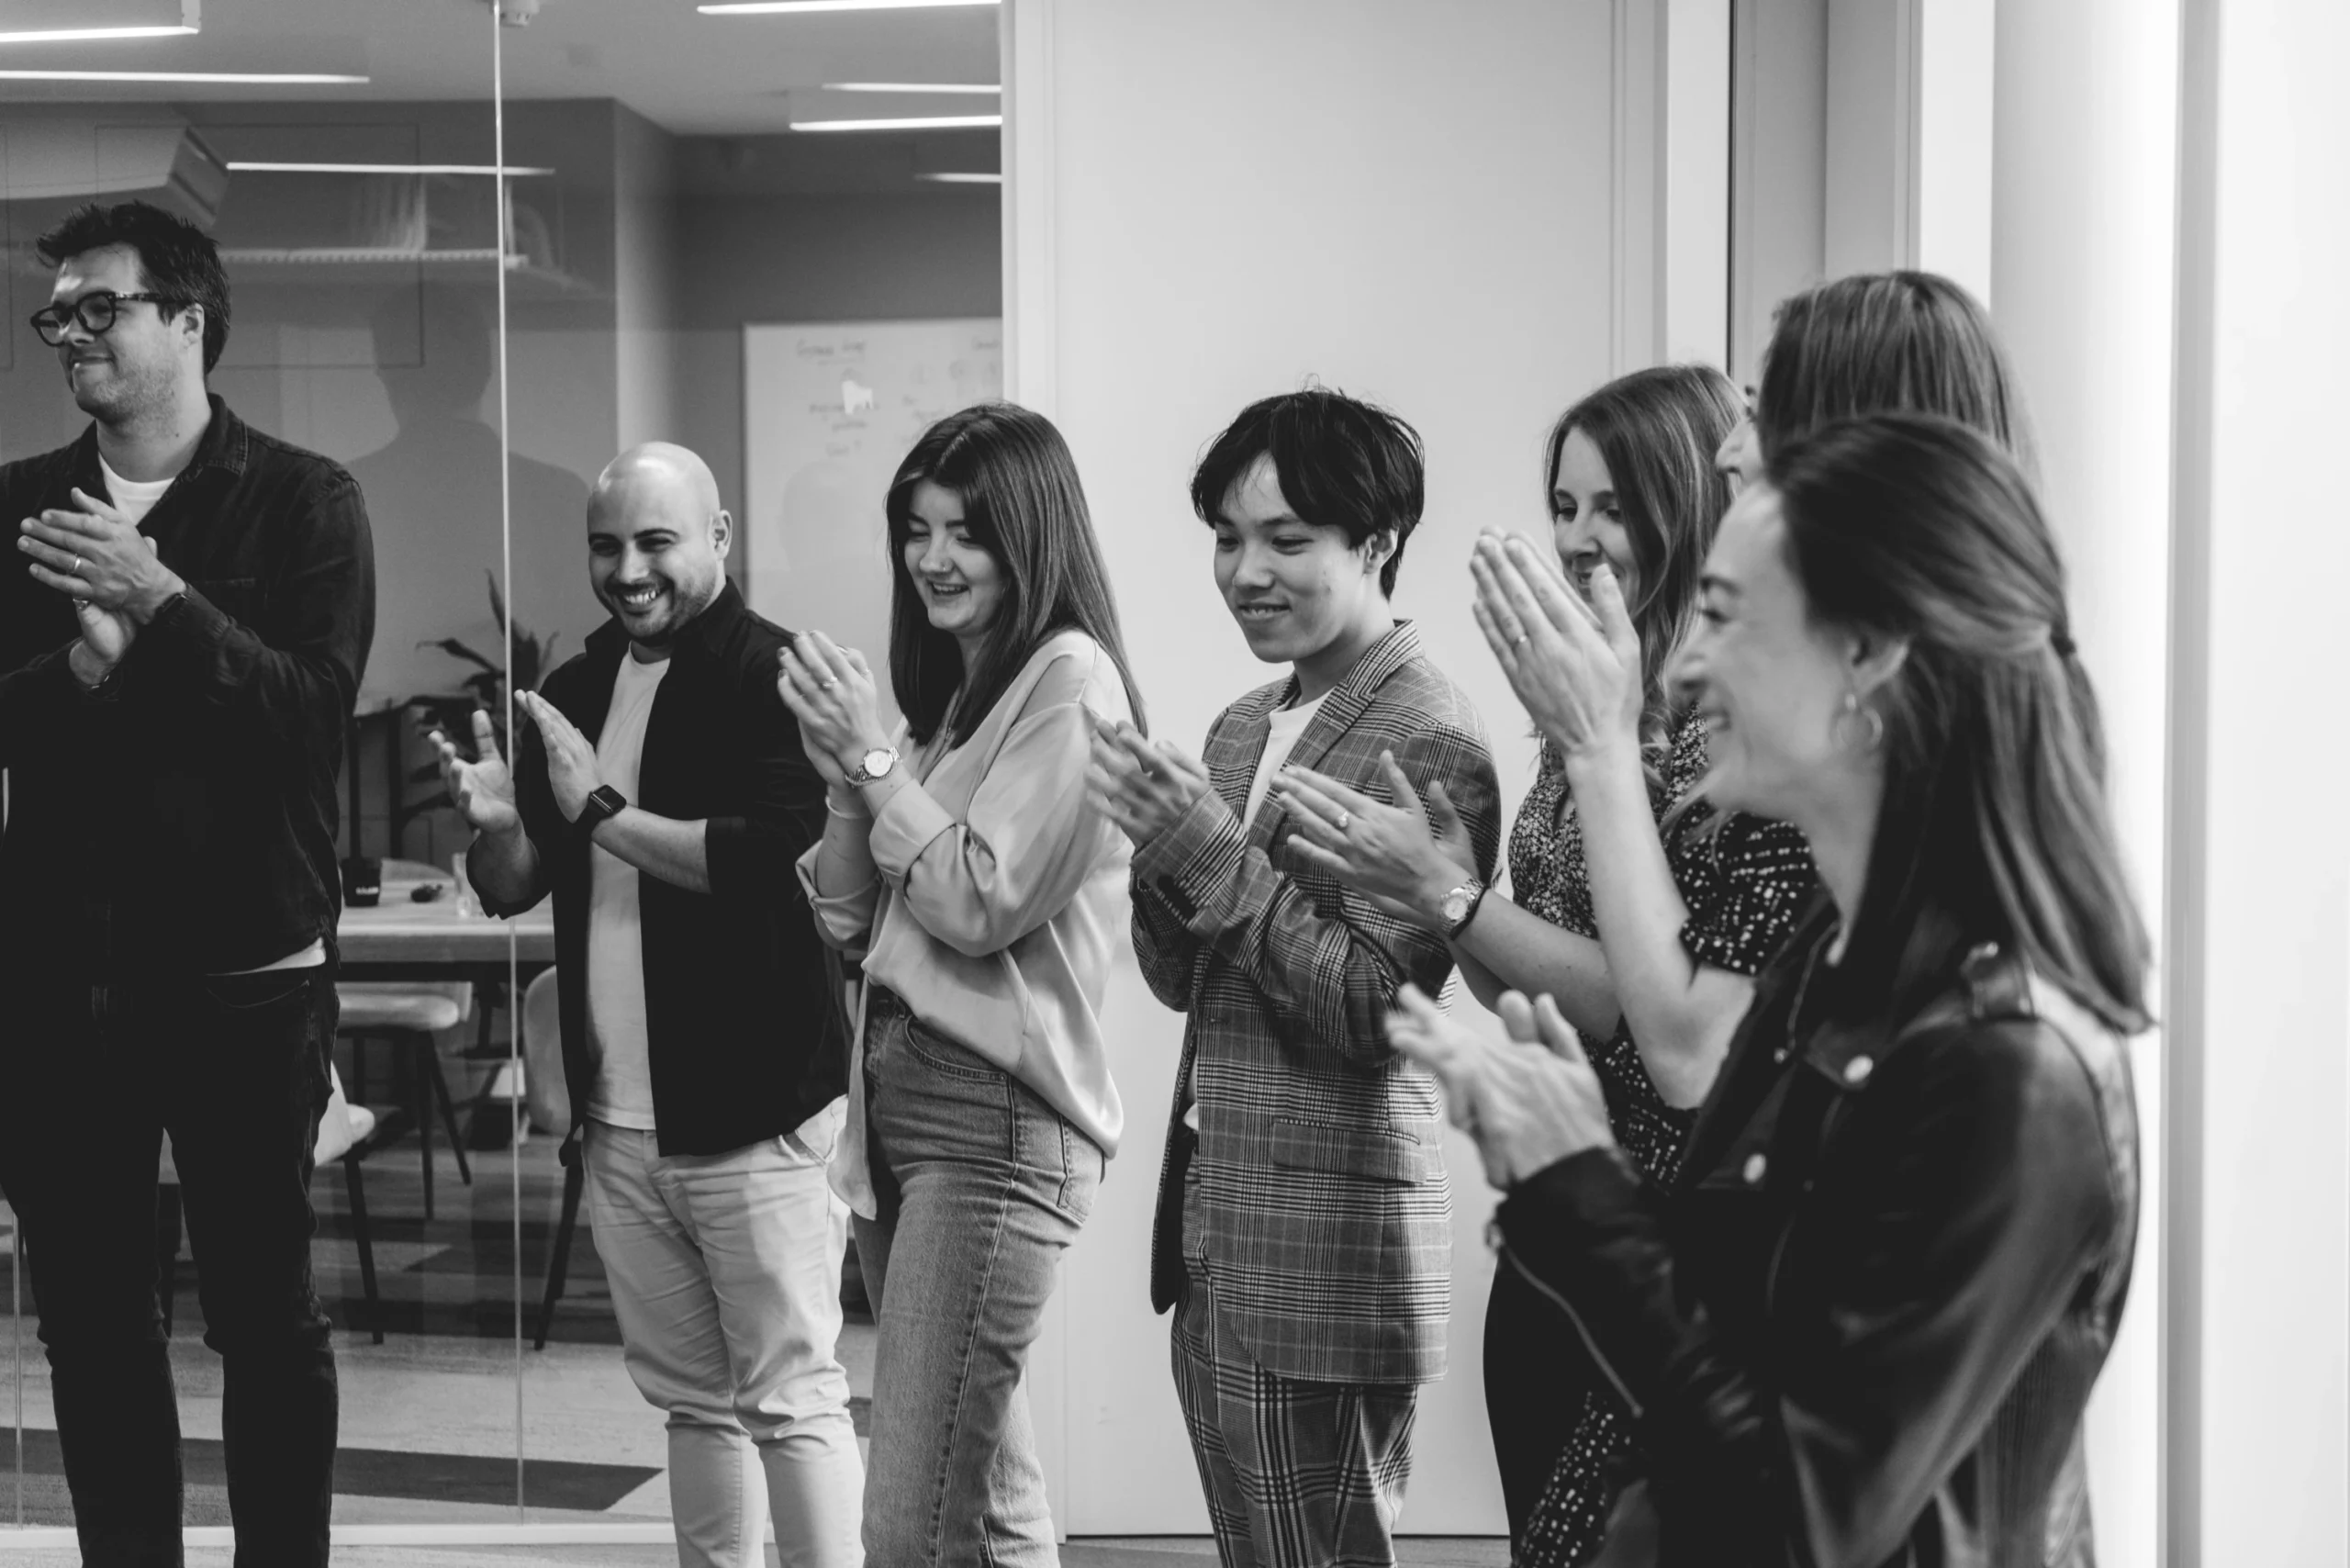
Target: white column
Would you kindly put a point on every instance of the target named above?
(2080, 248)
(1694, 97)
(2257, 1269)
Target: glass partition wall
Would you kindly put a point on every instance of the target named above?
(794, 306)
(472, 302)
(344, 156)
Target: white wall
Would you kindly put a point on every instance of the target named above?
(1413, 203)
(925, 254)
(2080, 238)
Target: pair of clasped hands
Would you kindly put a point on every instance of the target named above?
(1576, 666)
(96, 557)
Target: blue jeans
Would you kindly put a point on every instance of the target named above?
(982, 1187)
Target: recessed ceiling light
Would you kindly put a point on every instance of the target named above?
(797, 7)
(217, 78)
(245, 168)
(973, 89)
(963, 178)
(93, 35)
(916, 122)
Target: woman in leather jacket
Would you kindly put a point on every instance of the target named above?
(1861, 1326)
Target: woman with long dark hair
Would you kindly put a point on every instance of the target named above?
(988, 897)
(1861, 1324)
(1633, 496)
(1879, 342)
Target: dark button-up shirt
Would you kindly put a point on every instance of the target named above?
(742, 1017)
(183, 822)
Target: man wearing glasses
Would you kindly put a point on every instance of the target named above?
(181, 640)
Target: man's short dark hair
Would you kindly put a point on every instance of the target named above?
(1341, 462)
(176, 259)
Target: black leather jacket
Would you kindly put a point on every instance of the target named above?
(1862, 1325)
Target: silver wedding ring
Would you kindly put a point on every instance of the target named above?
(828, 685)
(77, 568)
(1345, 819)
(1519, 640)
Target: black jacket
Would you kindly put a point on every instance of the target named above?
(1862, 1326)
(185, 822)
(740, 1008)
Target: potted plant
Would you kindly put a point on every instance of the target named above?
(532, 655)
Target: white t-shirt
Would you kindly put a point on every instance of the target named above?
(623, 1092)
(1282, 728)
(135, 498)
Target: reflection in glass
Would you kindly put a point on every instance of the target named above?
(682, 222)
(361, 262)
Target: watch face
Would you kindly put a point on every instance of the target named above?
(1456, 904)
(878, 762)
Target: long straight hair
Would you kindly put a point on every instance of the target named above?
(1881, 342)
(1995, 825)
(1021, 504)
(1657, 431)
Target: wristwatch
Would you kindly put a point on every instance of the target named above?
(874, 764)
(603, 801)
(1459, 906)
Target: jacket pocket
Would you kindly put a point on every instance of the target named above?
(1376, 1154)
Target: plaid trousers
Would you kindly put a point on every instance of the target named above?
(1297, 1473)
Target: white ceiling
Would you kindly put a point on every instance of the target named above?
(690, 73)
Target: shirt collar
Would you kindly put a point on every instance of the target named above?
(226, 444)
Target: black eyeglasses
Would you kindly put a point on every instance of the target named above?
(96, 312)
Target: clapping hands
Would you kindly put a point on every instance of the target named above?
(1143, 786)
(482, 789)
(1576, 666)
(831, 691)
(1402, 854)
(1529, 1103)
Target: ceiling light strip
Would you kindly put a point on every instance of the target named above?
(963, 178)
(803, 7)
(918, 122)
(973, 89)
(201, 78)
(245, 168)
(99, 35)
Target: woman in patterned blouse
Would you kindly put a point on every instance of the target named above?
(1634, 500)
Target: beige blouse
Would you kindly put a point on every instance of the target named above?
(1002, 894)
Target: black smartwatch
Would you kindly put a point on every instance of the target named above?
(602, 802)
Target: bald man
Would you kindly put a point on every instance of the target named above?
(660, 793)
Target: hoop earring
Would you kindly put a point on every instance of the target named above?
(1870, 720)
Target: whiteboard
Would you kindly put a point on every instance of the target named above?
(829, 411)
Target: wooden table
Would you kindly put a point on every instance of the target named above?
(401, 939)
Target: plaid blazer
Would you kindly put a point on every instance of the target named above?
(1322, 1185)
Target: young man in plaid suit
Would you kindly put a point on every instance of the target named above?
(1303, 1227)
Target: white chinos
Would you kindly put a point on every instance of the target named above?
(725, 1273)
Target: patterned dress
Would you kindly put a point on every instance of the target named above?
(1744, 880)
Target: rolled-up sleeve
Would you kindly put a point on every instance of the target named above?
(844, 921)
(1031, 840)
(749, 855)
